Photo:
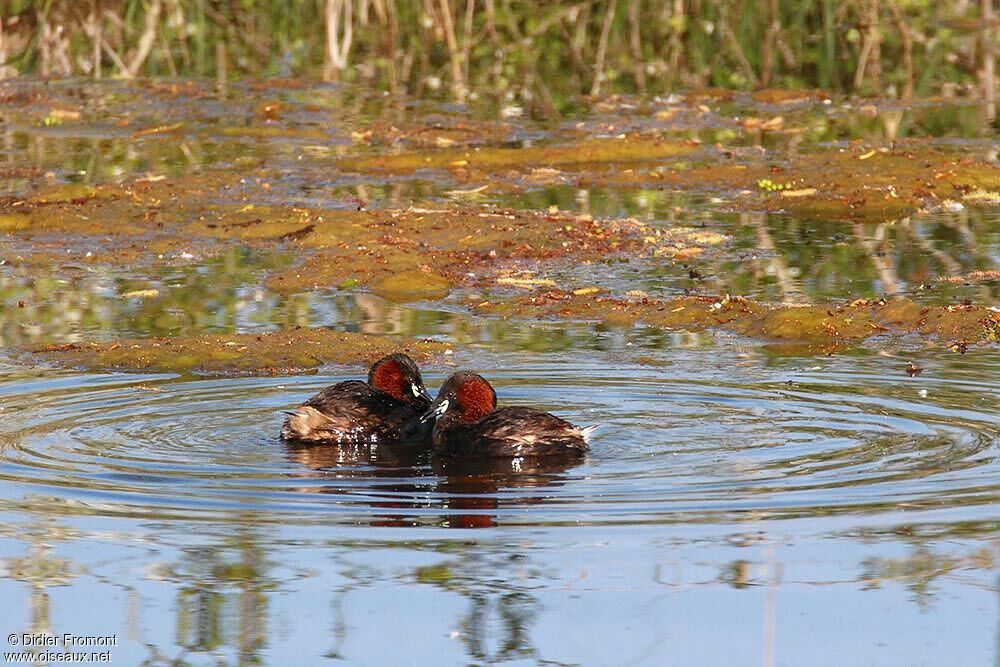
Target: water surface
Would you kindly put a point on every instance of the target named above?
(733, 502)
(743, 503)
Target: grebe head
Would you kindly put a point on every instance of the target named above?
(466, 394)
(398, 376)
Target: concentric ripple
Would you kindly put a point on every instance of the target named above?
(695, 441)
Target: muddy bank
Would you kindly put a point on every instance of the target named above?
(275, 353)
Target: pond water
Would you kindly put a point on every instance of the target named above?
(734, 503)
(744, 502)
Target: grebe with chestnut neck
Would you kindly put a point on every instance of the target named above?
(388, 407)
(469, 424)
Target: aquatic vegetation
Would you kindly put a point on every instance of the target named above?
(427, 253)
(271, 353)
(435, 132)
(854, 321)
(833, 183)
(440, 248)
(489, 254)
(11, 222)
(770, 186)
(625, 149)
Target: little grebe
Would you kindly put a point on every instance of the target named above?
(470, 425)
(386, 408)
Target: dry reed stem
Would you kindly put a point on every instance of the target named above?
(146, 40)
(602, 47)
(338, 45)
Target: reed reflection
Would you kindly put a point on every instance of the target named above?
(40, 569)
(224, 598)
(496, 625)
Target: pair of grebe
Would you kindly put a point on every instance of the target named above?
(463, 421)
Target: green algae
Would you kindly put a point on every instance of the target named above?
(149, 220)
(808, 323)
(274, 353)
(786, 96)
(343, 269)
(251, 223)
(417, 253)
(434, 574)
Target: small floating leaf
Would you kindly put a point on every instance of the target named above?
(159, 129)
(526, 282)
(141, 294)
(804, 192)
(434, 574)
(61, 115)
(474, 192)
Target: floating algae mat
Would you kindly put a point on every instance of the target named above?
(270, 353)
(782, 309)
(853, 321)
(586, 152)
